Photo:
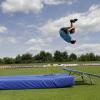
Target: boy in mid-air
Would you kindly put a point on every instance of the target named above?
(66, 31)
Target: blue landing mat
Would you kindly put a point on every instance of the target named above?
(36, 81)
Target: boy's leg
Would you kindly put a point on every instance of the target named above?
(73, 21)
(71, 24)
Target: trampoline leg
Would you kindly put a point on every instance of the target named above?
(91, 81)
(70, 73)
(82, 78)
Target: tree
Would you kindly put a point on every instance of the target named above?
(37, 58)
(8, 60)
(43, 57)
(58, 56)
(18, 59)
(64, 56)
(1, 61)
(87, 57)
(26, 58)
(92, 57)
(82, 58)
(49, 57)
(97, 58)
(72, 57)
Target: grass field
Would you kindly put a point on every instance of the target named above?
(77, 92)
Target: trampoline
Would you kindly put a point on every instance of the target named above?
(36, 81)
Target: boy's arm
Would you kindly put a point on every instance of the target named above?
(70, 28)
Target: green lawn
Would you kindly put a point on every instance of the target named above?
(77, 92)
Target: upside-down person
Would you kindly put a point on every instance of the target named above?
(66, 31)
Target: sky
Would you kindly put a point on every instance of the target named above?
(29, 26)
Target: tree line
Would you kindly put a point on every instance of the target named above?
(44, 57)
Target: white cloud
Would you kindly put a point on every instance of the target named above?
(39, 41)
(51, 27)
(30, 5)
(56, 2)
(35, 45)
(12, 40)
(88, 22)
(77, 49)
(8, 40)
(3, 29)
(34, 50)
(36, 41)
(84, 48)
(21, 5)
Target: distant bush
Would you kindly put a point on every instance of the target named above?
(43, 56)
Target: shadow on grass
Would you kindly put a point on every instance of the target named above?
(36, 89)
(83, 83)
(77, 83)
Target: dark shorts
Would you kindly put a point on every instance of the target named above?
(65, 36)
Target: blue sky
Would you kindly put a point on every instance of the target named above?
(33, 25)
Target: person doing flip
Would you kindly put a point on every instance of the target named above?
(66, 31)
